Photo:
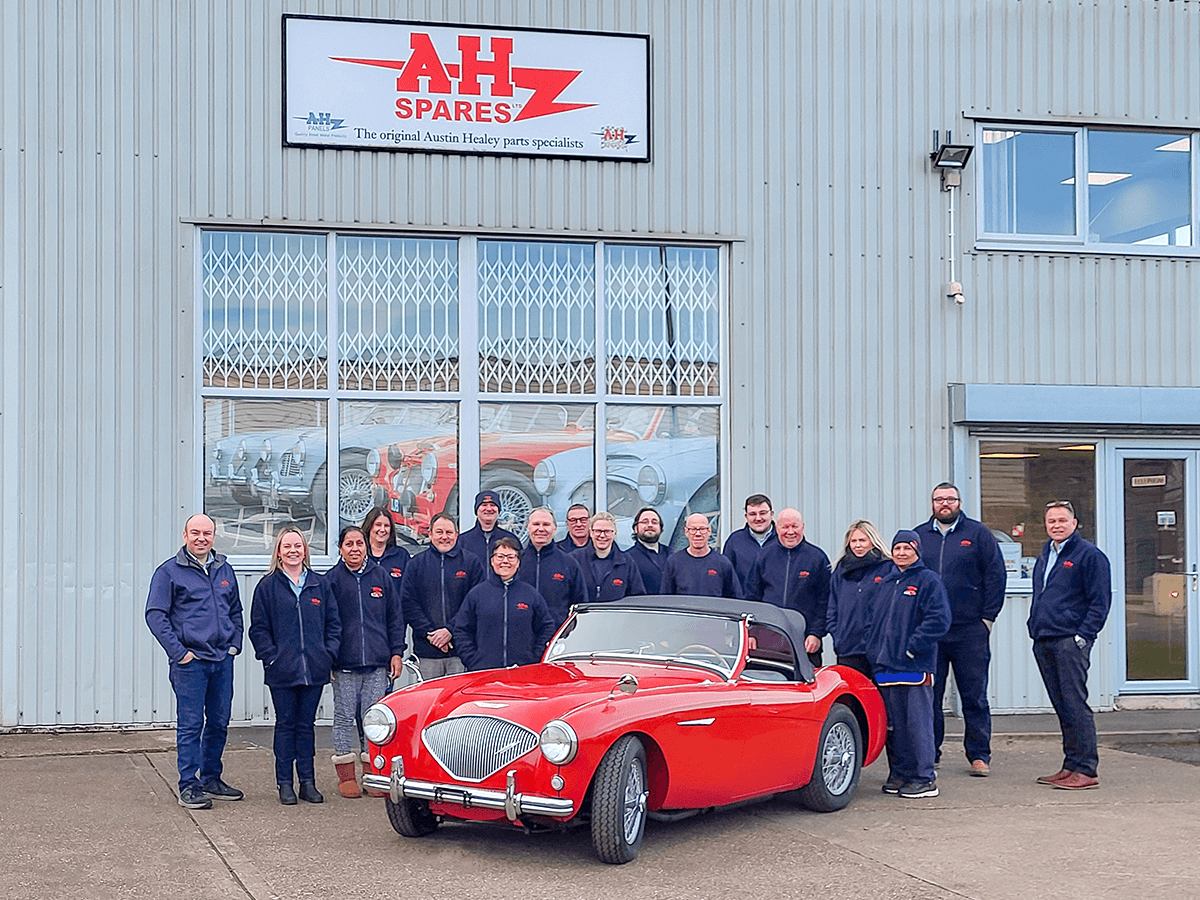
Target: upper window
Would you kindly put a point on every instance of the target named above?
(1138, 187)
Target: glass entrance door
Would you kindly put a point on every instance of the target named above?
(1157, 575)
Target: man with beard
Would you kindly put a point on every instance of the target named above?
(651, 559)
(966, 556)
(744, 545)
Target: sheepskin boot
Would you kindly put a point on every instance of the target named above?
(347, 779)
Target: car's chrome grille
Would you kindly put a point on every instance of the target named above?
(289, 466)
(472, 748)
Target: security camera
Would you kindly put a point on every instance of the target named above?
(954, 291)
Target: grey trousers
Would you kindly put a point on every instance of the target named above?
(353, 692)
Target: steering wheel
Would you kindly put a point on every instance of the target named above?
(704, 650)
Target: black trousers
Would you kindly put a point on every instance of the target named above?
(1064, 668)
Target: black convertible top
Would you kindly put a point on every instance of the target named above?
(789, 622)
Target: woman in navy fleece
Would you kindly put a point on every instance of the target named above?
(853, 589)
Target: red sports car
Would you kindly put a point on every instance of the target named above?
(651, 707)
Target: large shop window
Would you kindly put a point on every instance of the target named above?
(313, 341)
(1016, 481)
(1087, 188)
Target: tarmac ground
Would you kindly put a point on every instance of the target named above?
(94, 815)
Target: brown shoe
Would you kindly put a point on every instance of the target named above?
(347, 778)
(980, 769)
(1077, 781)
(1056, 777)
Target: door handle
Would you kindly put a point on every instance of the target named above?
(1194, 575)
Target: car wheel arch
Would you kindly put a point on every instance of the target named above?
(658, 775)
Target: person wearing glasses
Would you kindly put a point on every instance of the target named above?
(503, 621)
(1072, 592)
(650, 556)
(579, 520)
(966, 556)
(609, 573)
(698, 570)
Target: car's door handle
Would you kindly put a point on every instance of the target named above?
(707, 721)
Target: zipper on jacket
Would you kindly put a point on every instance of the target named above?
(362, 629)
(300, 619)
(506, 624)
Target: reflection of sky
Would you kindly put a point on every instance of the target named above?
(1023, 173)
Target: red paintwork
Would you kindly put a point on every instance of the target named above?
(763, 739)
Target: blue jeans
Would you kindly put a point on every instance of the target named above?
(203, 695)
(295, 740)
(1064, 667)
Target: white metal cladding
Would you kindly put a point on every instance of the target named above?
(399, 314)
(122, 123)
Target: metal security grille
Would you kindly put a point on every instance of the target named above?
(537, 318)
(398, 314)
(265, 320)
(663, 318)
(472, 748)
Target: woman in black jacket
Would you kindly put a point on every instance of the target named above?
(856, 581)
(295, 630)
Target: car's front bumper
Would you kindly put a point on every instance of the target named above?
(510, 801)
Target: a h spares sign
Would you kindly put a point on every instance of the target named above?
(367, 84)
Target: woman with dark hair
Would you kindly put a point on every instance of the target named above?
(296, 631)
(856, 581)
(382, 545)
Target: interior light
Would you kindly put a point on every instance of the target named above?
(1009, 455)
(1101, 178)
(1079, 447)
(1183, 145)
(995, 137)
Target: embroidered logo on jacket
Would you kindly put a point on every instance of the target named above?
(965, 543)
(804, 573)
(1068, 564)
(878, 578)
(618, 582)
(522, 606)
(559, 576)
(712, 571)
(460, 574)
(224, 584)
(396, 573)
(376, 592)
(316, 601)
(910, 591)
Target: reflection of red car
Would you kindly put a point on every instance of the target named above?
(650, 707)
(418, 479)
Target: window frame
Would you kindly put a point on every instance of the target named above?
(470, 396)
(1079, 243)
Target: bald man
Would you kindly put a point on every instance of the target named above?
(698, 570)
(195, 611)
(793, 573)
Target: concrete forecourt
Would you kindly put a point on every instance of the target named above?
(94, 815)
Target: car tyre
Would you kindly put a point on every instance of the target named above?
(619, 794)
(411, 818)
(838, 763)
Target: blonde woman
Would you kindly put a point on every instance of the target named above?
(857, 578)
(295, 630)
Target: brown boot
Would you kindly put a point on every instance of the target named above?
(347, 779)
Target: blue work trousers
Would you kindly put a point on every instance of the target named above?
(910, 715)
(203, 695)
(968, 650)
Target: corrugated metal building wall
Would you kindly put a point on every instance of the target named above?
(797, 131)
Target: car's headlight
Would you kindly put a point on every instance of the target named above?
(652, 484)
(217, 454)
(558, 742)
(429, 469)
(241, 451)
(264, 452)
(394, 457)
(298, 452)
(373, 463)
(379, 724)
(543, 477)
(584, 495)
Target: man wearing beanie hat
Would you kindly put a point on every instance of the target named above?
(911, 616)
(479, 540)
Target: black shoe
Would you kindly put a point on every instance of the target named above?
(219, 790)
(287, 795)
(893, 784)
(915, 790)
(309, 792)
(192, 797)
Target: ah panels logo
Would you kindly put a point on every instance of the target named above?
(321, 122)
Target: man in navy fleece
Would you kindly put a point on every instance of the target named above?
(743, 546)
(966, 556)
(699, 570)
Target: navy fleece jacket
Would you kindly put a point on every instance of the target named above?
(967, 559)
(554, 575)
(1076, 597)
(297, 638)
(433, 589)
(368, 603)
(911, 616)
(190, 609)
(711, 575)
(795, 579)
(502, 625)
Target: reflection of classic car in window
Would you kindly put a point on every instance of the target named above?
(646, 708)
(418, 479)
(675, 475)
(286, 469)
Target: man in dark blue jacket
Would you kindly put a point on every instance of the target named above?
(698, 570)
(608, 572)
(579, 519)
(548, 570)
(431, 592)
(911, 615)
(966, 556)
(478, 540)
(1072, 592)
(650, 556)
(194, 611)
(503, 621)
(744, 545)
(793, 573)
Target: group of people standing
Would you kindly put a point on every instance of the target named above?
(902, 614)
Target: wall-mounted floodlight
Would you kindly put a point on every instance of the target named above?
(950, 159)
(951, 156)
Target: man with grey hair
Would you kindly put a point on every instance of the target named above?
(548, 568)
(608, 572)
(194, 611)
